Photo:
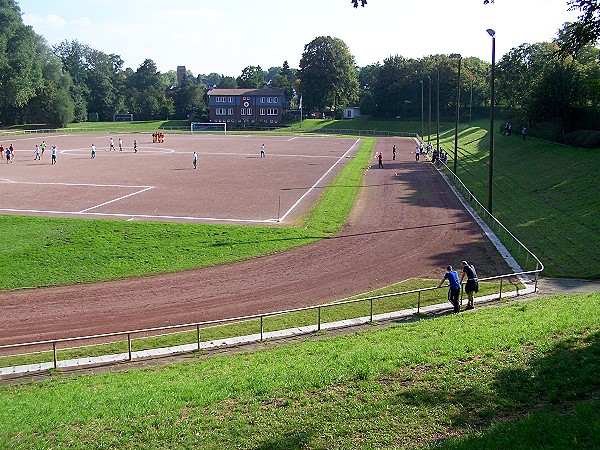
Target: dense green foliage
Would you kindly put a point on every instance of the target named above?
(489, 379)
(327, 74)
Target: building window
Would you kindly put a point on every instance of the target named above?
(269, 99)
(271, 111)
(230, 111)
(229, 99)
(262, 100)
(219, 99)
(221, 111)
(274, 99)
(262, 111)
(246, 111)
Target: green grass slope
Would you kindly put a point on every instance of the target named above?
(524, 375)
(544, 193)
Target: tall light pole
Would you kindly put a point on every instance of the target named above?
(429, 115)
(457, 117)
(422, 132)
(492, 33)
(437, 143)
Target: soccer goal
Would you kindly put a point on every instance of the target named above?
(122, 117)
(210, 128)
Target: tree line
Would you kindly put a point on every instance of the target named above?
(71, 81)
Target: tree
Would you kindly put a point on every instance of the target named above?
(98, 78)
(147, 98)
(328, 74)
(586, 31)
(285, 80)
(53, 103)
(252, 77)
(20, 69)
(189, 99)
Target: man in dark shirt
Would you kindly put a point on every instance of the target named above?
(472, 285)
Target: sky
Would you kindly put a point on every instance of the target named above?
(225, 36)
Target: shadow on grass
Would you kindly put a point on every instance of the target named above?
(552, 398)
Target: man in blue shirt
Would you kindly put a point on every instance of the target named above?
(454, 291)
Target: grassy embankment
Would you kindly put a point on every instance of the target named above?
(544, 193)
(516, 376)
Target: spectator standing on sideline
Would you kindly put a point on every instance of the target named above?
(262, 150)
(53, 152)
(454, 288)
(472, 285)
(93, 151)
(380, 159)
(195, 160)
(417, 152)
(524, 132)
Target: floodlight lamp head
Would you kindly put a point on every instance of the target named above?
(491, 32)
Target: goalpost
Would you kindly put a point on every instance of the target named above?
(210, 128)
(122, 117)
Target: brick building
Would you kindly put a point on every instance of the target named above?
(252, 106)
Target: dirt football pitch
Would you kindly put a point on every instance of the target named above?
(406, 223)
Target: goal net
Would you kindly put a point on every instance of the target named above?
(211, 128)
(122, 117)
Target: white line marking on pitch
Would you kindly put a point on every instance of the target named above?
(318, 181)
(116, 200)
(144, 216)
(44, 183)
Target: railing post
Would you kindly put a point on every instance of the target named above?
(129, 345)
(319, 318)
(371, 301)
(262, 328)
(500, 298)
(198, 335)
(54, 354)
(537, 267)
(419, 302)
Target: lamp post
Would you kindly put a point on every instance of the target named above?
(492, 33)
(422, 132)
(457, 117)
(437, 143)
(429, 112)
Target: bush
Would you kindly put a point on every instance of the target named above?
(583, 138)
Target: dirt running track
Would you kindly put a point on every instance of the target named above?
(407, 223)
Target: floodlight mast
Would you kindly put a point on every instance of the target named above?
(492, 33)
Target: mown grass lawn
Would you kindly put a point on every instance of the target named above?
(524, 375)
